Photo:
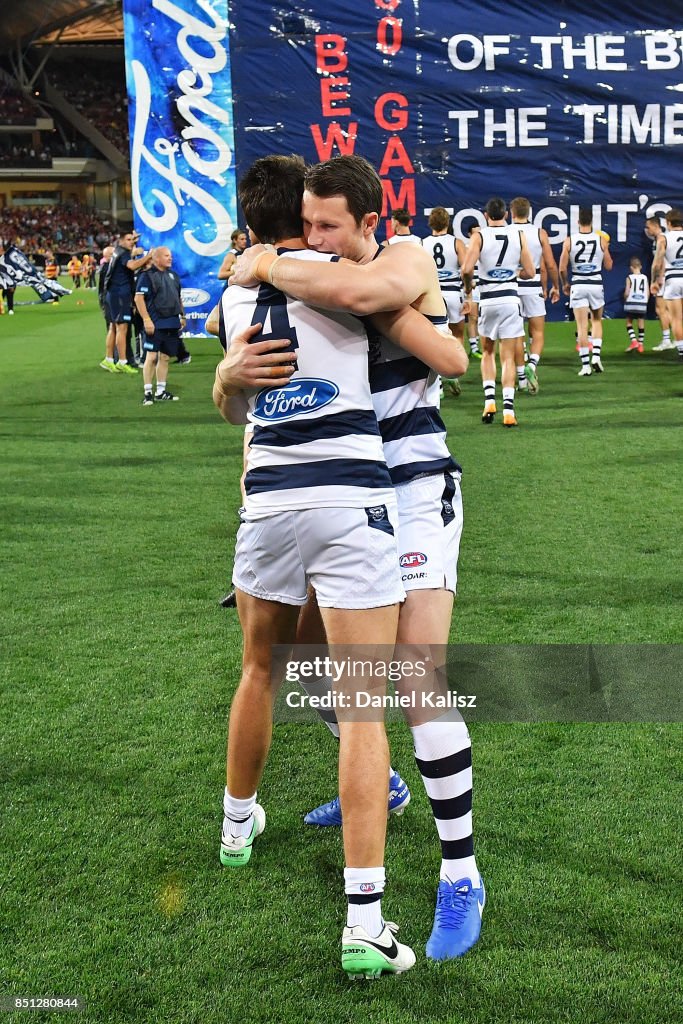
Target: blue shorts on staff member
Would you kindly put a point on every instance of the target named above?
(164, 339)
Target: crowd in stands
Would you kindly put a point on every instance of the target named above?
(105, 107)
(61, 227)
(22, 151)
(16, 108)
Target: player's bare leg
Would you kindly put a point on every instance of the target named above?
(508, 376)
(581, 318)
(488, 378)
(596, 338)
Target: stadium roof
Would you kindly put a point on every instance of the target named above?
(34, 22)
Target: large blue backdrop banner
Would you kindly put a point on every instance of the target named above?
(182, 138)
(567, 104)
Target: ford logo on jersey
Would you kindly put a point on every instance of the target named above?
(586, 268)
(412, 559)
(500, 274)
(305, 395)
(677, 263)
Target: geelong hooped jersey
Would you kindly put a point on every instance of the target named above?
(316, 441)
(499, 258)
(639, 291)
(673, 255)
(405, 393)
(585, 258)
(442, 250)
(532, 285)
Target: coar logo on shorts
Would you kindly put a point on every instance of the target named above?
(412, 559)
(501, 274)
(298, 398)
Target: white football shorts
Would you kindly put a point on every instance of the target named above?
(349, 555)
(501, 321)
(673, 289)
(453, 300)
(532, 303)
(429, 531)
(584, 295)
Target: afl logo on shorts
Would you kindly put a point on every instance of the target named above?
(412, 559)
(367, 887)
(305, 395)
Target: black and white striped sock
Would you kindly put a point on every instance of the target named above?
(443, 753)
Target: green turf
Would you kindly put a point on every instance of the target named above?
(118, 526)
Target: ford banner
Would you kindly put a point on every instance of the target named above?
(182, 139)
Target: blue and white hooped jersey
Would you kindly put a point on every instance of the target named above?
(442, 250)
(405, 393)
(532, 285)
(316, 441)
(501, 250)
(639, 292)
(585, 258)
(673, 255)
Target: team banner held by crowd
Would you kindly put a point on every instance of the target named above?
(182, 139)
(17, 269)
(577, 104)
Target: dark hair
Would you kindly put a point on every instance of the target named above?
(351, 177)
(653, 220)
(495, 208)
(439, 218)
(270, 195)
(585, 216)
(520, 207)
(675, 218)
(401, 215)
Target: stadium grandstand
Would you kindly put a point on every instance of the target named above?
(64, 164)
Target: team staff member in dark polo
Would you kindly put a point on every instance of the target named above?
(158, 300)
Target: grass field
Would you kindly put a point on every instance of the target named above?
(118, 527)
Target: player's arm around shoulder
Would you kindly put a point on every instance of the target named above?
(416, 334)
(401, 275)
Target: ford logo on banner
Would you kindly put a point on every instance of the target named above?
(501, 274)
(194, 297)
(297, 398)
(182, 138)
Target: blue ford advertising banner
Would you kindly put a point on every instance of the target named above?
(182, 139)
(567, 104)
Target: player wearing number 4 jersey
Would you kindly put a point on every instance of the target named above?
(587, 255)
(669, 261)
(501, 250)
(342, 204)
(319, 507)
